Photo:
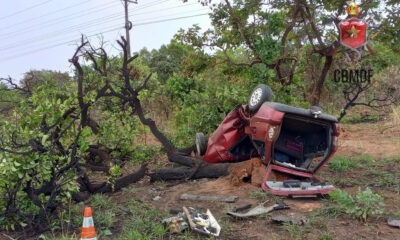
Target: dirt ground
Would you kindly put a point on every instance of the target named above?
(374, 140)
(378, 141)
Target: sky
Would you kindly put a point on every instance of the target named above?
(43, 34)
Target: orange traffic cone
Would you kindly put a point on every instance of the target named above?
(88, 230)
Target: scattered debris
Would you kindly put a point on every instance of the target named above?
(152, 191)
(260, 209)
(242, 208)
(157, 198)
(175, 211)
(394, 222)
(228, 199)
(291, 219)
(176, 224)
(202, 223)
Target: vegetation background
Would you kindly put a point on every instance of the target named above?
(56, 128)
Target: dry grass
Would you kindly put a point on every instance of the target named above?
(393, 121)
(396, 115)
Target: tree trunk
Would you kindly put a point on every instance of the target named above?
(316, 96)
(205, 170)
(87, 187)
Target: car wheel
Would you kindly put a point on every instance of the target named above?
(260, 94)
(201, 145)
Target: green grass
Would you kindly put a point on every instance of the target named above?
(384, 179)
(395, 138)
(395, 215)
(344, 181)
(360, 119)
(297, 232)
(364, 159)
(133, 219)
(328, 210)
(144, 222)
(397, 159)
(363, 205)
(342, 163)
(259, 195)
(44, 237)
(104, 219)
(101, 201)
(325, 236)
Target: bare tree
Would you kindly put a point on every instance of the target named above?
(380, 96)
(128, 94)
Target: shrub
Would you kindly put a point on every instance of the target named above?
(364, 204)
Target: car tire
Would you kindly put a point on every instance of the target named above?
(260, 94)
(201, 144)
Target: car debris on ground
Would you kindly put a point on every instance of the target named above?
(176, 224)
(260, 209)
(289, 219)
(203, 223)
(214, 198)
(394, 222)
(157, 198)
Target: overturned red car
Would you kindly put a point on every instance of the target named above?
(293, 141)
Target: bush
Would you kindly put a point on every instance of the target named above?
(364, 204)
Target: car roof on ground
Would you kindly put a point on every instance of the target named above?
(299, 111)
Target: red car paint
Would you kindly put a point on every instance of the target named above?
(238, 124)
(227, 134)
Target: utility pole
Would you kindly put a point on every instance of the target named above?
(128, 25)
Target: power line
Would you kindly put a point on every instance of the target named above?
(92, 23)
(167, 20)
(26, 9)
(86, 12)
(70, 29)
(72, 34)
(150, 4)
(42, 25)
(43, 15)
(195, 10)
(53, 46)
(72, 41)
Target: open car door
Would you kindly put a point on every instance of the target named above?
(294, 144)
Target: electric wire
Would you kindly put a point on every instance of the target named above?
(42, 16)
(110, 30)
(73, 29)
(58, 20)
(28, 29)
(170, 19)
(25, 10)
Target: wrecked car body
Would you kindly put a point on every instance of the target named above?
(292, 142)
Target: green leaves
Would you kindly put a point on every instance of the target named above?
(44, 139)
(365, 204)
(29, 131)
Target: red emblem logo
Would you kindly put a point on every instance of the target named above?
(353, 33)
